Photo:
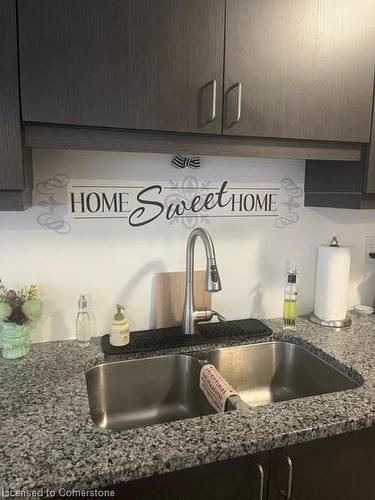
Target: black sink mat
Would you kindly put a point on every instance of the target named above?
(169, 338)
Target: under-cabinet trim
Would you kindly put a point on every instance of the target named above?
(68, 137)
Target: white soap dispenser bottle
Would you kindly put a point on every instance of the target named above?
(119, 334)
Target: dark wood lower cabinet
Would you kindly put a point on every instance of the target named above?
(239, 478)
(335, 468)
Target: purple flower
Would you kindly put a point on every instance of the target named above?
(11, 295)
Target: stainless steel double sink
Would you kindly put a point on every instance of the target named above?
(142, 392)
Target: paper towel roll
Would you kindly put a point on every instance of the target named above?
(331, 283)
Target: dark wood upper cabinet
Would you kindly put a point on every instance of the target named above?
(140, 64)
(342, 184)
(300, 69)
(14, 160)
(369, 158)
(10, 128)
(296, 69)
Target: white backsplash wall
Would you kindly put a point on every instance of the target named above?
(113, 262)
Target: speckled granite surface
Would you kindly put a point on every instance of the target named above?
(47, 438)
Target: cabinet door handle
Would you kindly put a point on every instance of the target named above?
(288, 492)
(239, 103)
(214, 92)
(261, 480)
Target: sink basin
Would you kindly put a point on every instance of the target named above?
(276, 371)
(142, 392)
(137, 393)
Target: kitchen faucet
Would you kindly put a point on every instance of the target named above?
(191, 315)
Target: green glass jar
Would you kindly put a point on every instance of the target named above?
(16, 339)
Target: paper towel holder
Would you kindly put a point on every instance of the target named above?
(340, 323)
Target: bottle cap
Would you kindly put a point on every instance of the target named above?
(334, 242)
(119, 316)
(82, 302)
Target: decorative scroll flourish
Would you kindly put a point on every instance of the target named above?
(294, 192)
(50, 219)
(185, 191)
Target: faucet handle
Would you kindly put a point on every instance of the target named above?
(219, 316)
(207, 315)
(210, 314)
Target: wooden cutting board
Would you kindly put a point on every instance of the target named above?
(170, 296)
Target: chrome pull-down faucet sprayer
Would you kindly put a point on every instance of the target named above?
(191, 316)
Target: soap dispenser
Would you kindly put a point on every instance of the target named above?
(290, 301)
(119, 334)
(83, 323)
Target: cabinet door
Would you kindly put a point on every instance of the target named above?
(11, 160)
(142, 64)
(300, 69)
(237, 479)
(369, 181)
(336, 468)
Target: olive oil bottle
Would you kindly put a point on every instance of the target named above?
(290, 301)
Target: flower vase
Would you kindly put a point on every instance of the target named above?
(15, 339)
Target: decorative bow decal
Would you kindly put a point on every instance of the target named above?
(179, 161)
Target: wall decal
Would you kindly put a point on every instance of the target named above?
(294, 192)
(189, 202)
(144, 205)
(180, 161)
(50, 218)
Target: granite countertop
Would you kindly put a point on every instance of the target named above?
(49, 441)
